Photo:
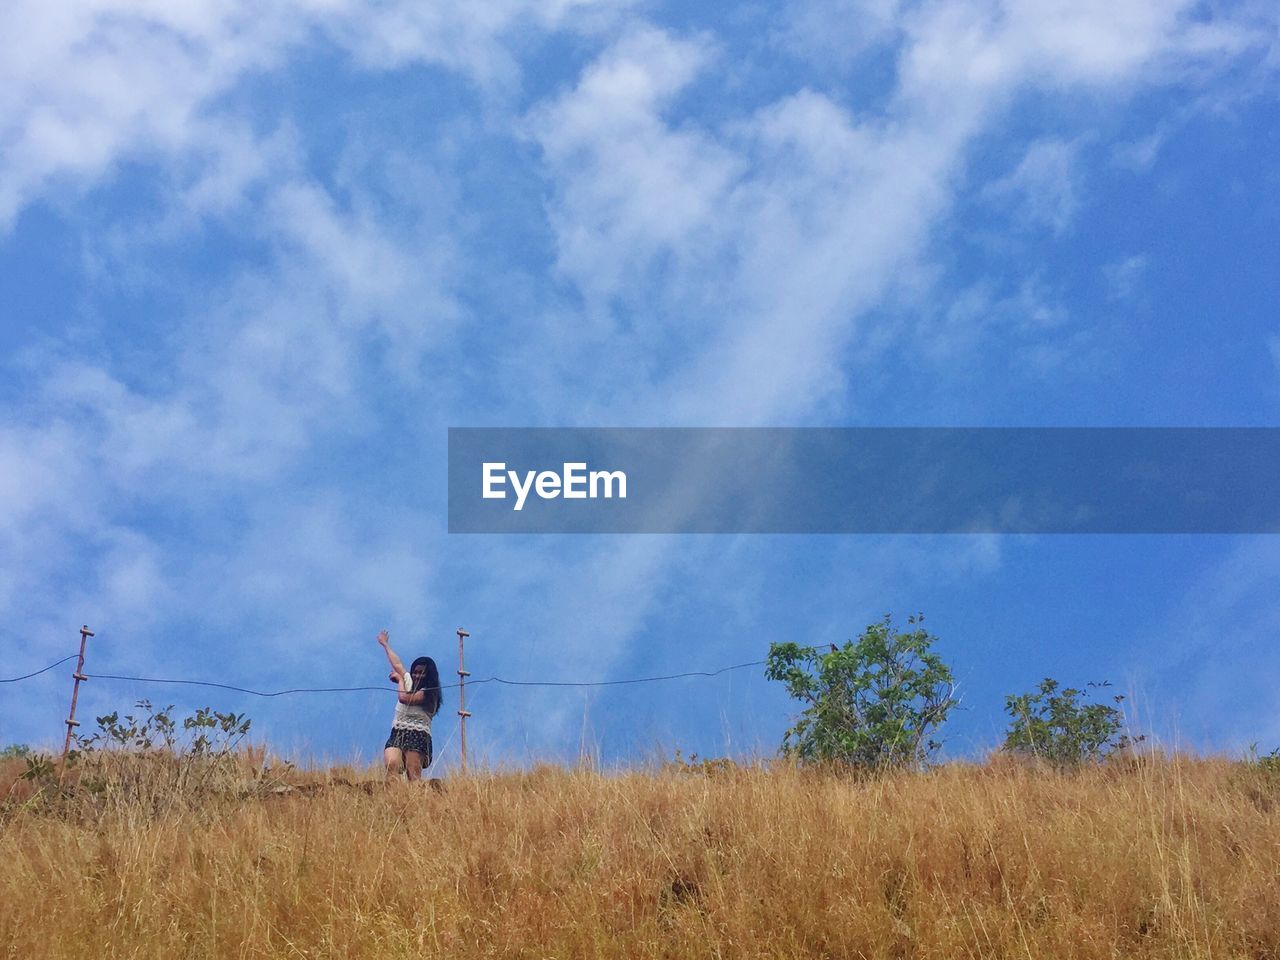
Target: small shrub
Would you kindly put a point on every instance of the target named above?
(205, 733)
(1061, 728)
(703, 766)
(41, 768)
(1266, 763)
(146, 762)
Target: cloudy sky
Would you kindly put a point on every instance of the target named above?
(255, 261)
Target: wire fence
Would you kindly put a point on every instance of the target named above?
(388, 689)
(455, 728)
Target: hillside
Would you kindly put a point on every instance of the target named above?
(1159, 858)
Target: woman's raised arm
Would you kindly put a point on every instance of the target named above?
(396, 665)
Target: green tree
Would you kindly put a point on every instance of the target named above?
(1061, 727)
(875, 702)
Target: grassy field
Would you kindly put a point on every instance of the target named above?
(1158, 858)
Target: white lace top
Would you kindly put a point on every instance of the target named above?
(411, 716)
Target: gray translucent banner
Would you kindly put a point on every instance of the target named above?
(864, 480)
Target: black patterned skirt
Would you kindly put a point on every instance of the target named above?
(417, 741)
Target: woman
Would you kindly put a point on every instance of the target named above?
(419, 700)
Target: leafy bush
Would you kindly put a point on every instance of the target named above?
(146, 761)
(205, 733)
(149, 760)
(1264, 767)
(871, 703)
(1061, 728)
(1270, 762)
(704, 766)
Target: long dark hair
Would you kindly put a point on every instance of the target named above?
(432, 697)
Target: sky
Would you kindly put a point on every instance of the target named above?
(254, 263)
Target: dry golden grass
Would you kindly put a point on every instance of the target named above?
(1160, 858)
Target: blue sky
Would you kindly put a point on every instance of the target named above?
(253, 265)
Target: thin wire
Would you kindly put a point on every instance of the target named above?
(228, 686)
(613, 683)
(450, 686)
(28, 676)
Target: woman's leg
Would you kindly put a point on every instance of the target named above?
(413, 764)
(393, 758)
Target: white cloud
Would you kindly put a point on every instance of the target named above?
(816, 209)
(989, 49)
(633, 188)
(591, 602)
(1139, 155)
(86, 86)
(1043, 188)
(1124, 278)
(1029, 322)
(306, 568)
(1213, 656)
(792, 246)
(480, 40)
(837, 32)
